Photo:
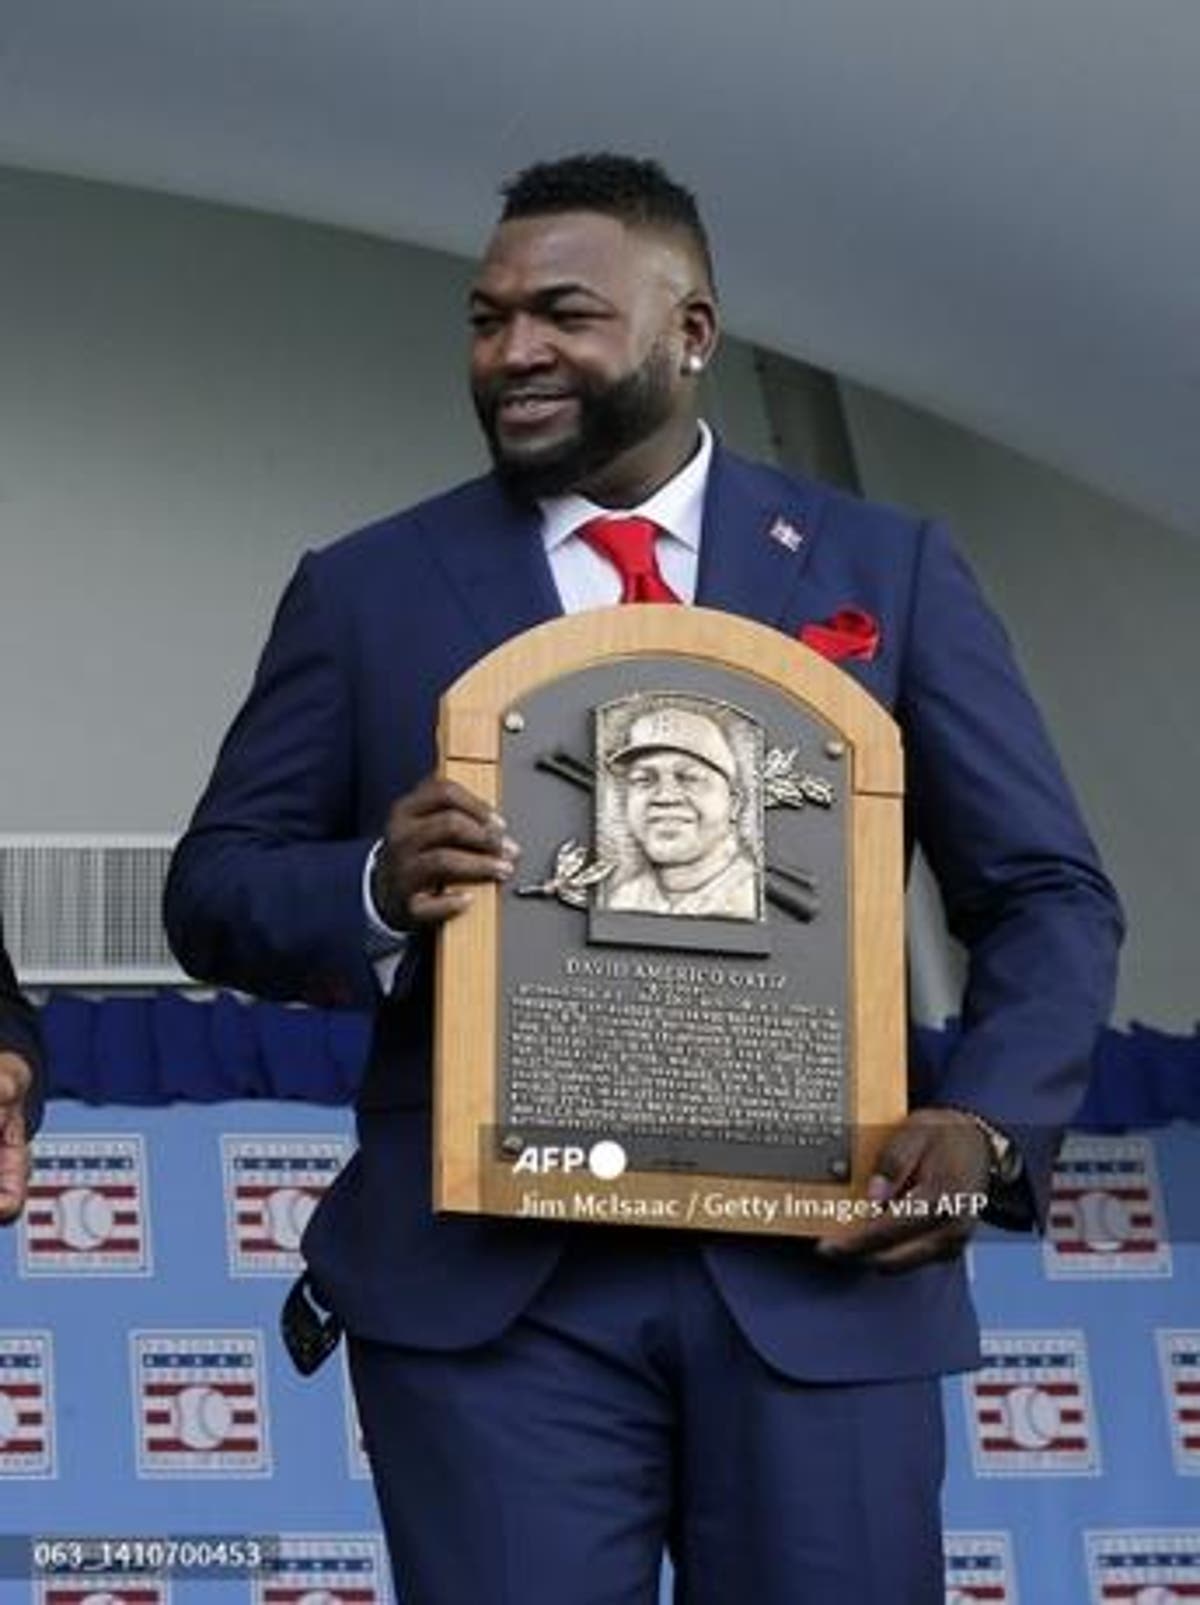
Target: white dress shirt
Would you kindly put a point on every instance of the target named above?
(584, 579)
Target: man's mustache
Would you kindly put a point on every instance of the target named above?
(495, 396)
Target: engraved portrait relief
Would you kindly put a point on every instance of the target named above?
(679, 808)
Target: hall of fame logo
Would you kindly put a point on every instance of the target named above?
(1179, 1355)
(1143, 1568)
(105, 1588)
(332, 1569)
(272, 1186)
(1106, 1212)
(26, 1405)
(1030, 1408)
(200, 1404)
(88, 1212)
(979, 1567)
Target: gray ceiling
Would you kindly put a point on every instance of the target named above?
(987, 207)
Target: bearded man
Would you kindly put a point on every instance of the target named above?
(548, 1407)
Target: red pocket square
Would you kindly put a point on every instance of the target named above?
(850, 633)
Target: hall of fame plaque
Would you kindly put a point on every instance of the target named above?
(687, 1009)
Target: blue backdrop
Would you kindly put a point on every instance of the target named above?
(144, 1392)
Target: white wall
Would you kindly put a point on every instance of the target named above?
(1104, 608)
(190, 396)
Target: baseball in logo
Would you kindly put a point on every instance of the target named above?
(1030, 1408)
(87, 1212)
(99, 1588)
(979, 1567)
(1143, 1568)
(26, 1405)
(1106, 1213)
(200, 1404)
(321, 1569)
(272, 1186)
(1179, 1355)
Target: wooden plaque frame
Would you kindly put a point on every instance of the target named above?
(471, 1177)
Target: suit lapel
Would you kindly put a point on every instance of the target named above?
(755, 542)
(495, 560)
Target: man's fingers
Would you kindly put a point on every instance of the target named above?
(898, 1242)
(14, 1164)
(947, 1242)
(14, 1180)
(15, 1079)
(439, 838)
(432, 908)
(451, 829)
(434, 796)
(894, 1189)
(935, 1150)
(930, 1165)
(876, 1236)
(901, 1161)
(447, 866)
(437, 883)
(433, 886)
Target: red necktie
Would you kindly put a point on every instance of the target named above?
(628, 544)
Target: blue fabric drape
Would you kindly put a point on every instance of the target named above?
(174, 1049)
(170, 1048)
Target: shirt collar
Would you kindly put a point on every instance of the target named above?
(677, 506)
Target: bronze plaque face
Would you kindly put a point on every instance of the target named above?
(673, 953)
(686, 1009)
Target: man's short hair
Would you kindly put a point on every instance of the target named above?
(633, 189)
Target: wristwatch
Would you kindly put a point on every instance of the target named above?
(1004, 1157)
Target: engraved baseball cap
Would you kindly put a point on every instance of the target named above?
(679, 730)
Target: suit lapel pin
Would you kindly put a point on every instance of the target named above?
(786, 533)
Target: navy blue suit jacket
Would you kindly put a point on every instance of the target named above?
(265, 889)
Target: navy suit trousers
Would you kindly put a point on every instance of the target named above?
(623, 1414)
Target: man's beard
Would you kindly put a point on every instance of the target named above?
(612, 417)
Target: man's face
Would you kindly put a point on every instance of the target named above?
(679, 807)
(580, 329)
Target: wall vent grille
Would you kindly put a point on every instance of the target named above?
(86, 910)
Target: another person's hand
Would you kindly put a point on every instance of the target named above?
(930, 1182)
(15, 1079)
(440, 840)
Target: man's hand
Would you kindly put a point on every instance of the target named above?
(939, 1158)
(440, 839)
(15, 1079)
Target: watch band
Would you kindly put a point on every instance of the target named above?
(1004, 1157)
